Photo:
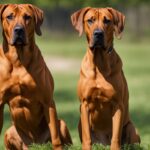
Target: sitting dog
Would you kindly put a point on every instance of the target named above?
(102, 87)
(26, 84)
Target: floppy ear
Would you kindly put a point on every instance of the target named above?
(2, 8)
(118, 20)
(77, 19)
(38, 14)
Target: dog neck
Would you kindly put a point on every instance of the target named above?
(101, 62)
(18, 55)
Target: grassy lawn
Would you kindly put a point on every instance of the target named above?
(136, 59)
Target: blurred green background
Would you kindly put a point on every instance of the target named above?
(63, 51)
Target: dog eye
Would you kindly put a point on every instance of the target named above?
(10, 17)
(90, 21)
(27, 17)
(106, 21)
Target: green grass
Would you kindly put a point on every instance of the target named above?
(136, 60)
(94, 147)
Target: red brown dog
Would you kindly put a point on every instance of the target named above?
(102, 87)
(26, 84)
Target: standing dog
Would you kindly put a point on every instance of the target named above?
(102, 87)
(26, 84)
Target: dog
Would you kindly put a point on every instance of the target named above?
(102, 87)
(26, 84)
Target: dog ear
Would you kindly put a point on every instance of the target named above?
(38, 14)
(77, 19)
(2, 8)
(118, 20)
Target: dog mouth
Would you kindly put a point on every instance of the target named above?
(19, 38)
(97, 44)
(97, 41)
(18, 41)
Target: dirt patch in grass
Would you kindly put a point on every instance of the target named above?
(60, 64)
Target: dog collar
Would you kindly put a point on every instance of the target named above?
(110, 50)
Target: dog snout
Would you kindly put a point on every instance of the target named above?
(98, 38)
(98, 34)
(19, 30)
(19, 37)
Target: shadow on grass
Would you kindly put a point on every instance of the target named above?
(72, 119)
(141, 119)
(67, 98)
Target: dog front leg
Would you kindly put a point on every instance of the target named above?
(86, 138)
(117, 124)
(52, 119)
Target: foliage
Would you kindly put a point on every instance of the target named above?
(78, 3)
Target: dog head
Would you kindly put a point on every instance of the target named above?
(99, 24)
(19, 21)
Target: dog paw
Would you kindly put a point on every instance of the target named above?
(115, 146)
(86, 147)
(57, 147)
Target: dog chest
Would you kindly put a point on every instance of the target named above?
(100, 114)
(25, 112)
(23, 99)
(22, 81)
(93, 90)
(99, 94)
(19, 83)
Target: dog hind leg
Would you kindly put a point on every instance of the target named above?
(131, 134)
(64, 133)
(13, 141)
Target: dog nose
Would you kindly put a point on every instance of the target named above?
(19, 30)
(98, 33)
